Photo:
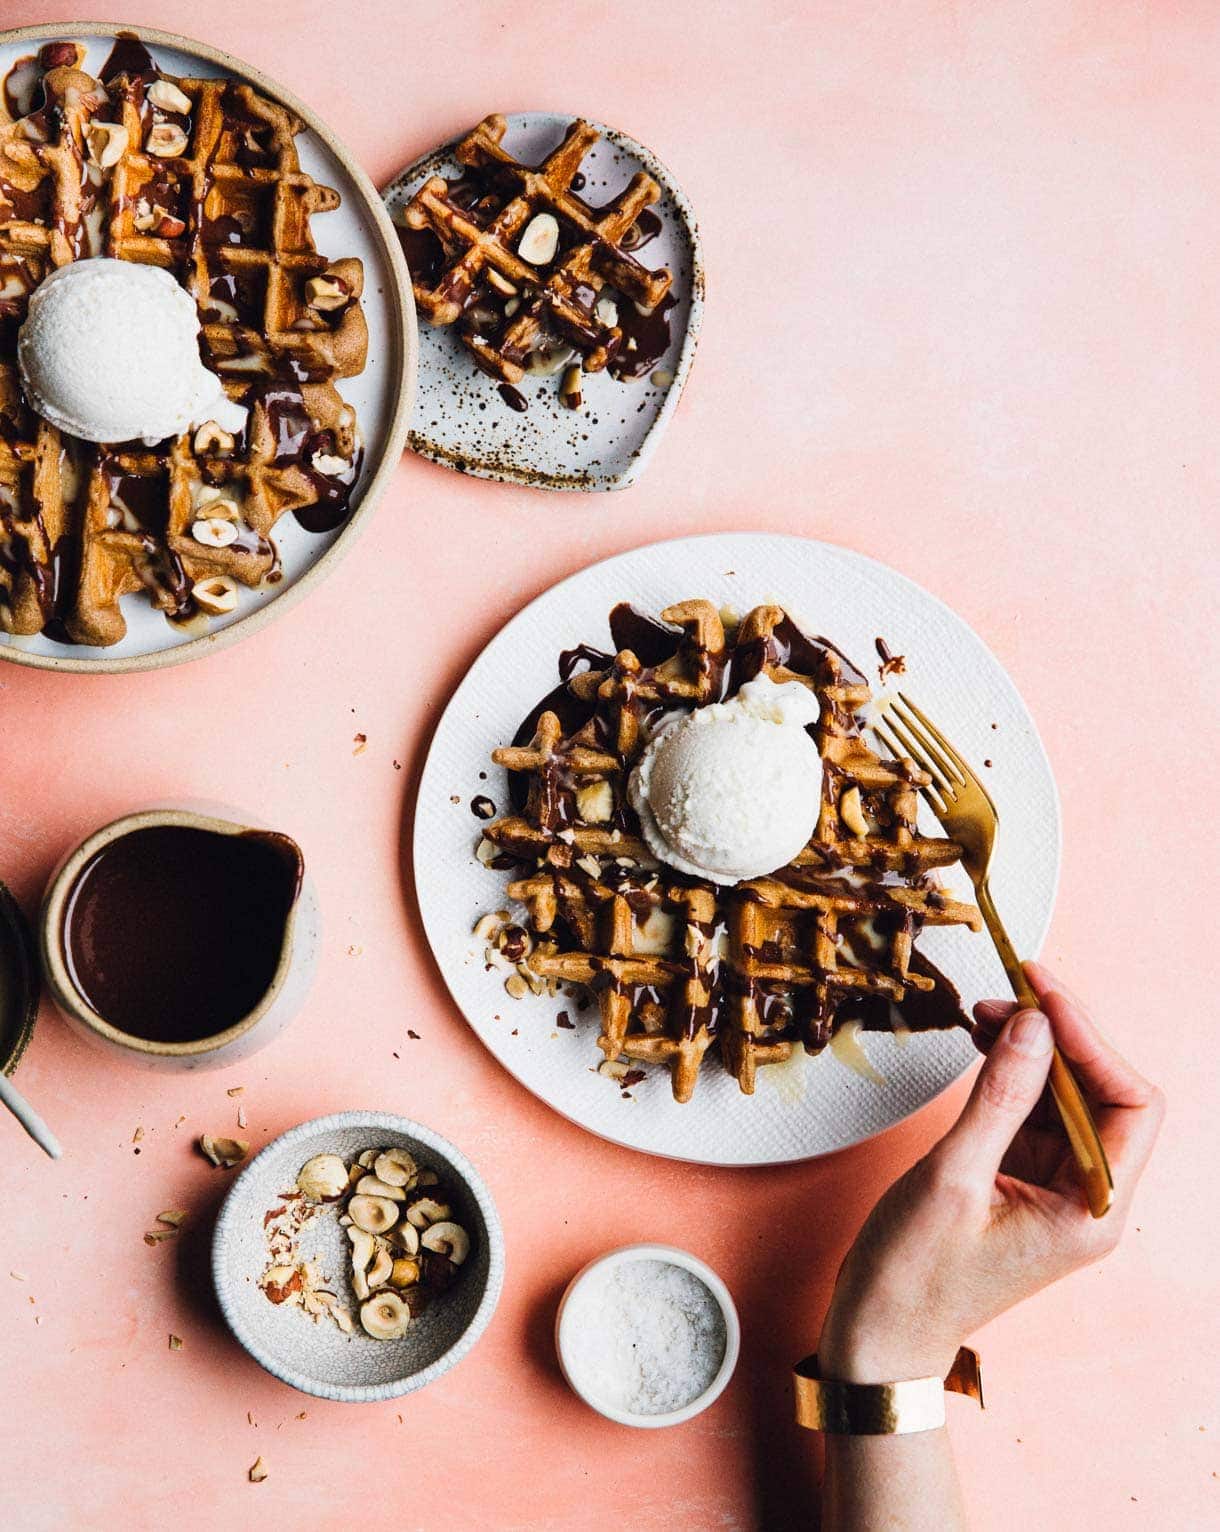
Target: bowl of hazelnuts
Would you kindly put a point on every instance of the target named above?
(358, 1257)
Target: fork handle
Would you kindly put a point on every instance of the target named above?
(1087, 1148)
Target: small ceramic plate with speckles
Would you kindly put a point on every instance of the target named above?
(807, 1106)
(465, 420)
(317, 1356)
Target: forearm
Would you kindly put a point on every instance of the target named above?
(891, 1484)
(900, 1483)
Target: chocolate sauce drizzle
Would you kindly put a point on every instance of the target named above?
(480, 193)
(128, 71)
(785, 1010)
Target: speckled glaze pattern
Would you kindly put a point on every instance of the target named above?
(460, 419)
(318, 1358)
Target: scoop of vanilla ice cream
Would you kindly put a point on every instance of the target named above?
(732, 790)
(109, 351)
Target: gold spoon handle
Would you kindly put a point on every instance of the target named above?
(1087, 1148)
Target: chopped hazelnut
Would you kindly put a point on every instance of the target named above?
(106, 142)
(166, 140)
(327, 292)
(540, 239)
(217, 595)
(211, 438)
(166, 95)
(214, 531)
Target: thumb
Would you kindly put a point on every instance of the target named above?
(1005, 1092)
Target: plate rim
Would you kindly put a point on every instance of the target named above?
(403, 349)
(429, 765)
(660, 171)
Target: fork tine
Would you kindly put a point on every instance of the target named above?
(937, 738)
(932, 744)
(910, 747)
(934, 794)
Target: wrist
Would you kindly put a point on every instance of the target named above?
(863, 1348)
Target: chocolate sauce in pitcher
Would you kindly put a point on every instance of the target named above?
(174, 933)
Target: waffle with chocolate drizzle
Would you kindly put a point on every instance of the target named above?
(512, 294)
(200, 177)
(682, 968)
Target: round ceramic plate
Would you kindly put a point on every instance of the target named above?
(462, 421)
(808, 1106)
(381, 395)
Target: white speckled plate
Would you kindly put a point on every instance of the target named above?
(810, 1106)
(318, 1358)
(460, 418)
(381, 394)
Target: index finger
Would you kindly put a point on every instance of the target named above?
(1106, 1076)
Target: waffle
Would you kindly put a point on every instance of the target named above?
(507, 308)
(682, 969)
(228, 212)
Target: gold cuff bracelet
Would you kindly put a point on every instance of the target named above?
(882, 1409)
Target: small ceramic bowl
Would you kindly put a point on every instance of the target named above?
(283, 998)
(318, 1358)
(673, 1257)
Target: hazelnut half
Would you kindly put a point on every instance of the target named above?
(851, 812)
(106, 142)
(500, 283)
(214, 531)
(166, 140)
(217, 595)
(404, 1237)
(427, 1210)
(380, 1268)
(322, 1178)
(540, 240)
(595, 802)
(395, 1167)
(448, 1239)
(327, 292)
(373, 1214)
(569, 387)
(364, 1247)
(405, 1272)
(385, 1317)
(224, 1152)
(166, 95)
(211, 438)
(371, 1186)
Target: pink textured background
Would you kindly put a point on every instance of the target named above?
(986, 353)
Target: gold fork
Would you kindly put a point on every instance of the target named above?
(967, 814)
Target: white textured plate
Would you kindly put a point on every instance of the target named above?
(460, 418)
(381, 395)
(810, 1106)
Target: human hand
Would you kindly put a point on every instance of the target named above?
(996, 1210)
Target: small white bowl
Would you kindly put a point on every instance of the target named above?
(673, 1257)
(318, 1359)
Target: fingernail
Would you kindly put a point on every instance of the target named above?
(1030, 1034)
(991, 1011)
